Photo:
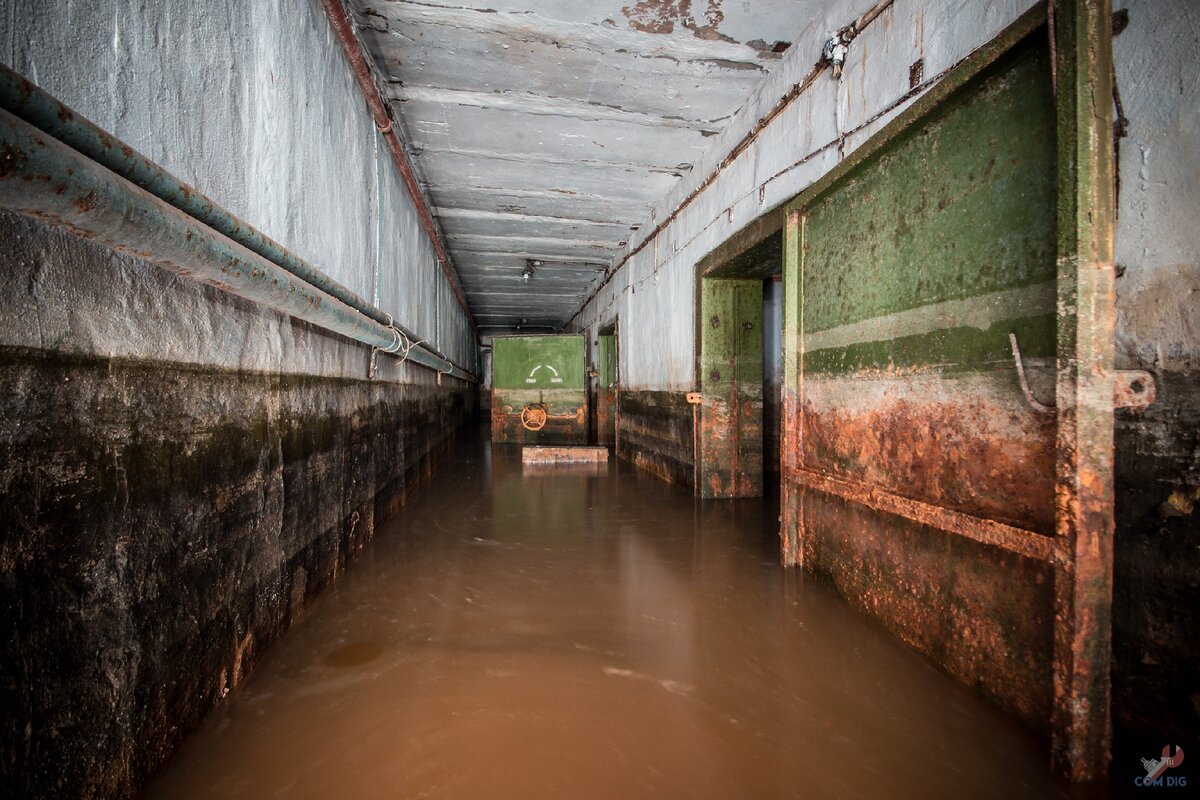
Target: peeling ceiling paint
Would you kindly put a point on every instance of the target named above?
(545, 130)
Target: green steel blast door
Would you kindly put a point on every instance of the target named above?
(730, 438)
(538, 390)
(947, 453)
(606, 394)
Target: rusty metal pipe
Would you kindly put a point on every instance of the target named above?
(42, 178)
(43, 111)
(383, 121)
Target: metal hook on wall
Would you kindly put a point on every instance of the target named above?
(1029, 398)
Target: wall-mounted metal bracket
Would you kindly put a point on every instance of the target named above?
(695, 398)
(1133, 388)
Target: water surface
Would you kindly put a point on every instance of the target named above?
(578, 632)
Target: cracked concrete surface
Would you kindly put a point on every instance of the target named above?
(546, 130)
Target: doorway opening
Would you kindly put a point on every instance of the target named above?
(607, 382)
(739, 370)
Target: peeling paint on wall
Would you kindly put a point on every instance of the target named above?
(547, 130)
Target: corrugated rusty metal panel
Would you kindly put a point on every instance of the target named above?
(542, 373)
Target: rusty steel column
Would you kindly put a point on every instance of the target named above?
(1081, 723)
(791, 521)
(383, 121)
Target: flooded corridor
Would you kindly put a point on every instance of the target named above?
(582, 632)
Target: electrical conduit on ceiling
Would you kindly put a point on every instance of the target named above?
(82, 158)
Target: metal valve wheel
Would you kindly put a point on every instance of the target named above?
(533, 417)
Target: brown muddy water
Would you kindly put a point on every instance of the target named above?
(582, 632)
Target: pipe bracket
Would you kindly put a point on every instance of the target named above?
(1134, 389)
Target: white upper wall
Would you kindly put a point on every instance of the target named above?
(253, 103)
(1157, 60)
(653, 292)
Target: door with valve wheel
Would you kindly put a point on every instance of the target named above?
(538, 390)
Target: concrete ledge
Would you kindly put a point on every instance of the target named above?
(563, 455)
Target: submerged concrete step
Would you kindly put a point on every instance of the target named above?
(563, 455)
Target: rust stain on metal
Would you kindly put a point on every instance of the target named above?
(939, 593)
(970, 455)
(12, 161)
(987, 531)
(1081, 722)
(86, 202)
(1134, 389)
(606, 402)
(566, 427)
(563, 455)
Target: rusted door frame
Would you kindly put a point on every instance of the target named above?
(1081, 549)
(615, 350)
(591, 379)
(728, 442)
(606, 356)
(1083, 542)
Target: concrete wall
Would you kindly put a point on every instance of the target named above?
(183, 470)
(652, 290)
(1156, 610)
(763, 158)
(252, 103)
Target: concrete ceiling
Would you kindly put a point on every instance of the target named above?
(545, 130)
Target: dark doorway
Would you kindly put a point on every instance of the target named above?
(607, 383)
(772, 351)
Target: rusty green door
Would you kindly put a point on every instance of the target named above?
(729, 441)
(606, 392)
(538, 391)
(948, 387)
